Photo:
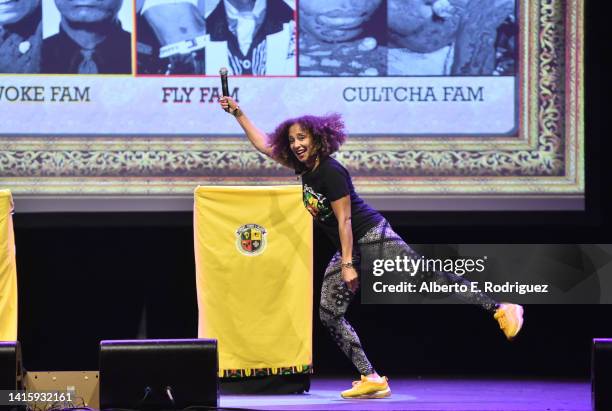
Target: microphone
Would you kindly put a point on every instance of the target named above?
(224, 87)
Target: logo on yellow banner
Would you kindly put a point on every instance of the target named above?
(251, 239)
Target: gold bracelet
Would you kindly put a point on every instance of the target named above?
(347, 265)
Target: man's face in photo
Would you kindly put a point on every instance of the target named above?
(336, 20)
(408, 16)
(88, 11)
(13, 11)
(424, 25)
(242, 4)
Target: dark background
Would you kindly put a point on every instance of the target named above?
(86, 277)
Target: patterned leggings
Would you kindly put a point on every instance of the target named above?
(379, 242)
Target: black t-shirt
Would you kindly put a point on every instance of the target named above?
(329, 182)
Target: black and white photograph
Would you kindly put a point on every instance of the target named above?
(452, 37)
(343, 38)
(87, 37)
(248, 37)
(20, 36)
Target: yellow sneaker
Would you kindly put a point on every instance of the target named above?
(368, 389)
(510, 319)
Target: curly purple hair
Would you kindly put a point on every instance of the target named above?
(327, 131)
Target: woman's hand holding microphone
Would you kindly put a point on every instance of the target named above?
(228, 104)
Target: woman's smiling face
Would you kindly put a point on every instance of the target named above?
(302, 144)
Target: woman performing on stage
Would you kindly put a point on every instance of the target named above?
(305, 145)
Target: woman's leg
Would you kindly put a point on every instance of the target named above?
(335, 299)
(381, 242)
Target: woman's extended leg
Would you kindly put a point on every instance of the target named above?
(381, 242)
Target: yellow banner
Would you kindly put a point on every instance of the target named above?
(8, 270)
(253, 250)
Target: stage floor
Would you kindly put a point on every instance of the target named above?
(432, 395)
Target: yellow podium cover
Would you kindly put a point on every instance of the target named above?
(8, 270)
(253, 252)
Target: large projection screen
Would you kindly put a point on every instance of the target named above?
(449, 105)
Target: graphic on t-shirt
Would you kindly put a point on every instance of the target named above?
(316, 204)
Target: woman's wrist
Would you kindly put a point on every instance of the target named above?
(347, 263)
(235, 111)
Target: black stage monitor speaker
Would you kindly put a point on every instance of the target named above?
(158, 374)
(601, 374)
(11, 370)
